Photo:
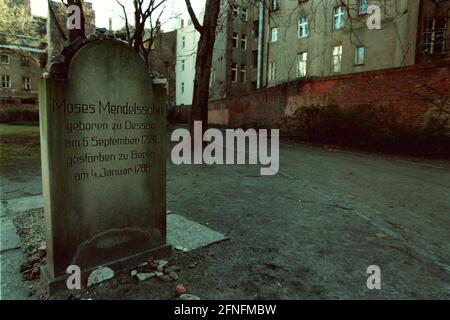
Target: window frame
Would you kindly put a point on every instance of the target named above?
(26, 82)
(235, 40)
(7, 57)
(243, 42)
(363, 7)
(435, 33)
(234, 72)
(5, 79)
(243, 72)
(272, 34)
(303, 62)
(272, 71)
(334, 64)
(301, 24)
(339, 16)
(357, 61)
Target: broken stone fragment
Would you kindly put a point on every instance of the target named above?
(161, 265)
(24, 267)
(173, 275)
(180, 289)
(42, 251)
(99, 275)
(179, 248)
(133, 273)
(144, 276)
(165, 278)
(172, 269)
(189, 297)
(143, 267)
(153, 265)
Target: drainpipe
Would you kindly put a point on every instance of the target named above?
(260, 44)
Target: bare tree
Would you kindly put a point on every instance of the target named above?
(146, 27)
(204, 59)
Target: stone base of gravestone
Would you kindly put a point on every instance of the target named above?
(103, 140)
(53, 285)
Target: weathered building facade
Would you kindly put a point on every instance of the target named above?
(316, 38)
(162, 61)
(22, 57)
(241, 44)
(187, 45)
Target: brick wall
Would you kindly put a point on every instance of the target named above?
(411, 90)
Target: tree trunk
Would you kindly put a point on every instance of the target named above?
(203, 64)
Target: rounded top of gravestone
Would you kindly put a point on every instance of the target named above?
(60, 64)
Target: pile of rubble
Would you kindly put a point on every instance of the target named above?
(30, 269)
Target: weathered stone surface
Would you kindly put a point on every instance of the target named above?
(103, 145)
(99, 275)
(173, 275)
(172, 269)
(180, 289)
(9, 239)
(144, 276)
(189, 297)
(186, 235)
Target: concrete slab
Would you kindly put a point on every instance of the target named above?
(9, 239)
(182, 232)
(24, 204)
(11, 285)
(2, 209)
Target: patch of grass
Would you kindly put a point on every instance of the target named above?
(18, 144)
(18, 129)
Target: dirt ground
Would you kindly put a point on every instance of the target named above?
(309, 232)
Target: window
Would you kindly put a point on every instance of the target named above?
(26, 83)
(337, 58)
(275, 4)
(213, 78)
(303, 28)
(182, 88)
(301, 64)
(360, 55)
(4, 59)
(363, 6)
(235, 11)
(6, 81)
(235, 40)
(339, 18)
(243, 73)
(234, 72)
(272, 71)
(244, 42)
(434, 35)
(244, 14)
(183, 42)
(274, 34)
(183, 65)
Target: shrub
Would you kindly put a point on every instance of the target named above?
(366, 127)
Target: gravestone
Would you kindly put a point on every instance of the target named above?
(103, 137)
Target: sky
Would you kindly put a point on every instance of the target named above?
(105, 9)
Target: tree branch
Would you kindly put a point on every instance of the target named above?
(194, 19)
